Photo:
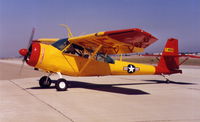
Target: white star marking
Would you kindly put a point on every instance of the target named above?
(131, 68)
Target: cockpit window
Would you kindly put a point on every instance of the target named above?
(61, 44)
(78, 50)
(74, 49)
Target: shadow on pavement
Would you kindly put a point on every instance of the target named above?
(171, 82)
(104, 87)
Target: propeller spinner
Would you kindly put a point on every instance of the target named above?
(23, 52)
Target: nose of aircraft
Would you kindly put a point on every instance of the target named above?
(34, 55)
(31, 55)
(23, 52)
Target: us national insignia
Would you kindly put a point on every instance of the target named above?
(131, 68)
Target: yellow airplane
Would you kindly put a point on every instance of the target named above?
(88, 55)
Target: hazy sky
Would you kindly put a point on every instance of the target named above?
(162, 18)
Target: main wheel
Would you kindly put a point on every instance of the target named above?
(45, 82)
(61, 85)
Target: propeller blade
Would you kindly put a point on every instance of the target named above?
(31, 38)
(29, 50)
(29, 44)
(21, 68)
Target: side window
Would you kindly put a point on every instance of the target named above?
(100, 57)
(87, 53)
(108, 59)
(104, 58)
(75, 50)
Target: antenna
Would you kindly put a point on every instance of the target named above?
(69, 33)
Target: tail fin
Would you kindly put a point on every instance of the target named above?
(169, 60)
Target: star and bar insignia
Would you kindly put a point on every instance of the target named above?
(131, 68)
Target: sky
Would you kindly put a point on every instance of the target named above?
(162, 18)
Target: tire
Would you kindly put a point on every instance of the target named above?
(61, 85)
(43, 83)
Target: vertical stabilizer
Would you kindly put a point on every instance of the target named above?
(169, 60)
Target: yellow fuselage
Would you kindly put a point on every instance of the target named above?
(54, 60)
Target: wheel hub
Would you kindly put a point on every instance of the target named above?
(62, 85)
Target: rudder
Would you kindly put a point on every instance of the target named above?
(169, 60)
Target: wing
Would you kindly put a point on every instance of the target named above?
(180, 55)
(116, 42)
(46, 40)
(190, 56)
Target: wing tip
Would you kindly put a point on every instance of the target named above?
(129, 30)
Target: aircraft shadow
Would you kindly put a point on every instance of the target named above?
(113, 88)
(104, 87)
(171, 82)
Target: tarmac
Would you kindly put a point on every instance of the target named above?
(99, 99)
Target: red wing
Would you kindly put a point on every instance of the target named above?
(191, 56)
(135, 37)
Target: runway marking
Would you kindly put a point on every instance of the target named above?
(58, 111)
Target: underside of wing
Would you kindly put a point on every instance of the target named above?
(116, 42)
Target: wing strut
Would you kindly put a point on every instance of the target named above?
(90, 59)
(121, 57)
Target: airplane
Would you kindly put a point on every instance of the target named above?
(88, 55)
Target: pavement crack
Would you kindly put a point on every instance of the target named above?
(58, 111)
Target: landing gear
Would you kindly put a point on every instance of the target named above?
(45, 82)
(167, 80)
(61, 85)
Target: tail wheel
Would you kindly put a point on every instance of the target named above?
(45, 82)
(61, 85)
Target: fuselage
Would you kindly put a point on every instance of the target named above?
(51, 59)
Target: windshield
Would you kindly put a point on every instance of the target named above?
(61, 44)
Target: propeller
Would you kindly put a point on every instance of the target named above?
(26, 52)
